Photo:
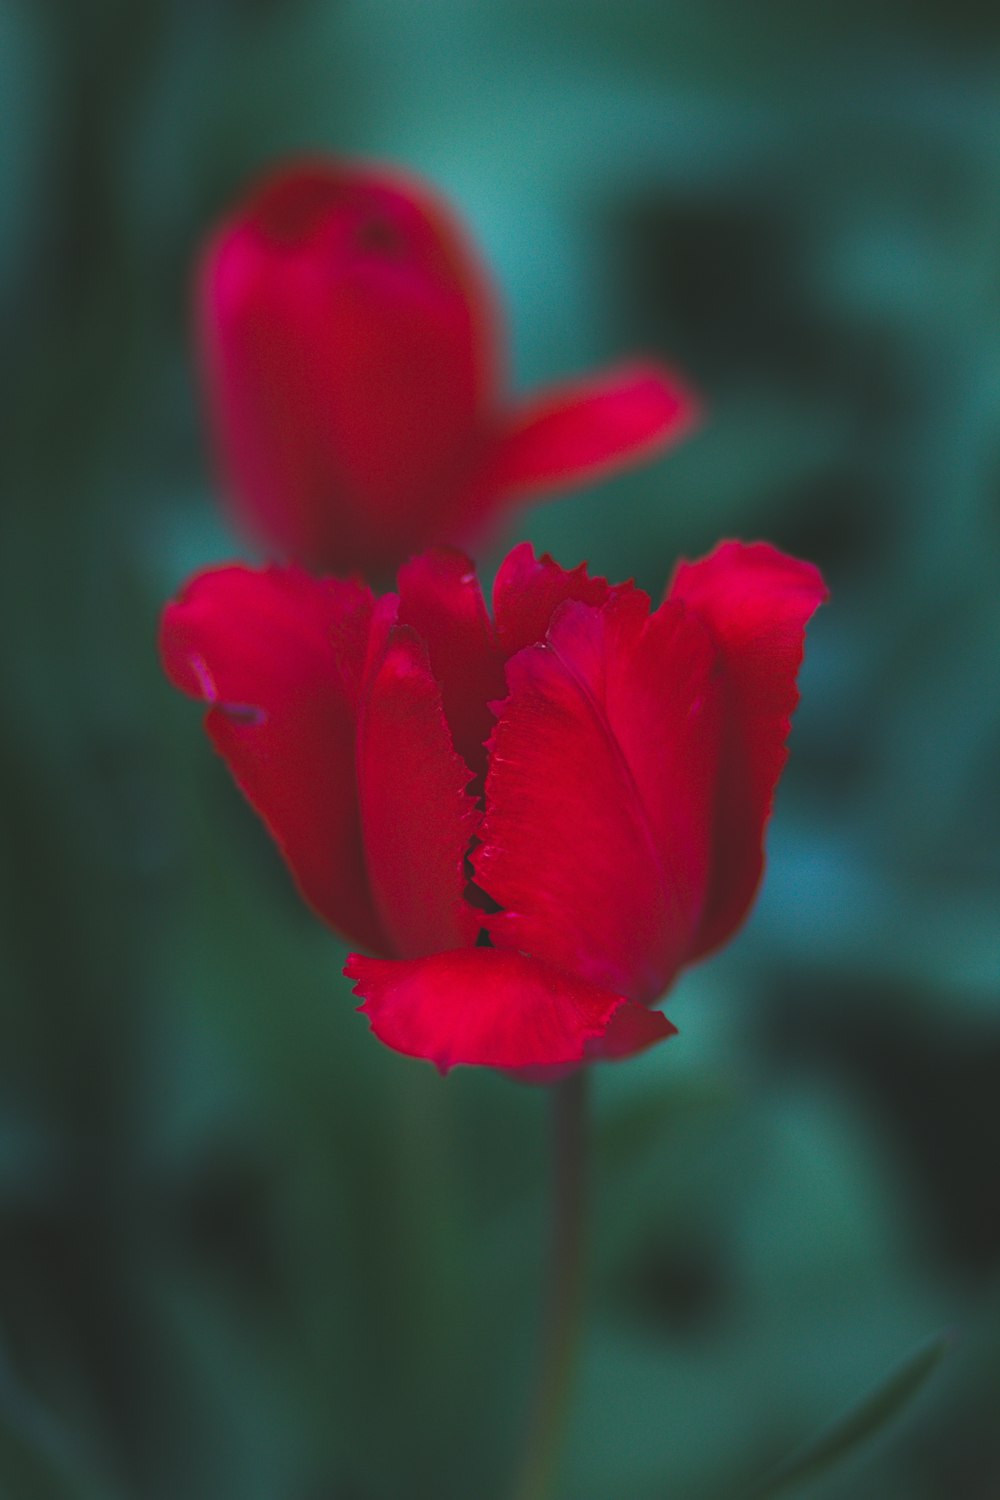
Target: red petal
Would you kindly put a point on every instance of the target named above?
(579, 431)
(278, 656)
(755, 601)
(527, 591)
(439, 595)
(633, 1029)
(493, 1008)
(417, 818)
(350, 359)
(599, 794)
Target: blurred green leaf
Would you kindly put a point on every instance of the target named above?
(856, 1427)
(38, 1461)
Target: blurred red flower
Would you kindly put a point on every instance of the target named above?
(353, 367)
(534, 820)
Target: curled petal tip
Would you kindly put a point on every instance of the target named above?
(496, 1008)
(579, 431)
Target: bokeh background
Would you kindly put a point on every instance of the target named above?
(245, 1251)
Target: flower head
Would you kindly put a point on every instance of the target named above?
(533, 821)
(354, 373)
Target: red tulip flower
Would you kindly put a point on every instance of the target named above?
(534, 821)
(354, 372)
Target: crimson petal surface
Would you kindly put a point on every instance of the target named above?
(756, 602)
(528, 589)
(349, 343)
(599, 794)
(278, 657)
(417, 817)
(578, 431)
(440, 597)
(494, 1008)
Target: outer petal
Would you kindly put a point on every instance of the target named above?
(579, 431)
(349, 350)
(755, 601)
(633, 1029)
(279, 656)
(599, 794)
(417, 817)
(528, 590)
(496, 1009)
(440, 597)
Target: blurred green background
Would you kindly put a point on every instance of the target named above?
(245, 1251)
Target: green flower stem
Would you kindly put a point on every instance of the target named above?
(565, 1291)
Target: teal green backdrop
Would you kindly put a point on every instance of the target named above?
(245, 1251)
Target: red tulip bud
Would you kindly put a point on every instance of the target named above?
(353, 365)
